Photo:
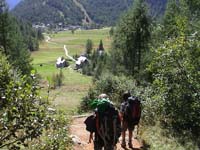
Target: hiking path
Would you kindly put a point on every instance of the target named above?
(80, 136)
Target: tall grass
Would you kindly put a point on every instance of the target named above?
(158, 138)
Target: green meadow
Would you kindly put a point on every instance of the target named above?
(75, 85)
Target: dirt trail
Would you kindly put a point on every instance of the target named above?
(47, 39)
(65, 47)
(77, 129)
(67, 54)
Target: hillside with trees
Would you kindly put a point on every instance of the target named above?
(106, 12)
(67, 12)
(17, 38)
(48, 11)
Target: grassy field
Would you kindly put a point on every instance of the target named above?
(75, 85)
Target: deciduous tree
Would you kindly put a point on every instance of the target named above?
(176, 85)
(22, 110)
(175, 21)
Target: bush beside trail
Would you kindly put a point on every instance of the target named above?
(113, 86)
(25, 115)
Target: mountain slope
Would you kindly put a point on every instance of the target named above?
(104, 12)
(49, 11)
(87, 17)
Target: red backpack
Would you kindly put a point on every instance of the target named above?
(132, 111)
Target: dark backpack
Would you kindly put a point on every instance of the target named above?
(103, 108)
(90, 123)
(132, 110)
(109, 125)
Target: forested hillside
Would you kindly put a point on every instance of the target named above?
(17, 38)
(67, 12)
(48, 11)
(106, 12)
(109, 11)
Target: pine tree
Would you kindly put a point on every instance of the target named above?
(12, 42)
(194, 6)
(175, 21)
(131, 39)
(4, 26)
(111, 32)
(101, 48)
(194, 15)
(89, 46)
(39, 34)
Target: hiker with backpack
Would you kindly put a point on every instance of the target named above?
(130, 111)
(107, 124)
(91, 120)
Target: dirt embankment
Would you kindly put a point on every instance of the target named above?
(80, 136)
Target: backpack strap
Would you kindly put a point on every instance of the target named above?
(115, 126)
(97, 123)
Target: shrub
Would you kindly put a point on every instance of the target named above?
(57, 79)
(56, 133)
(26, 122)
(22, 110)
(176, 83)
(111, 85)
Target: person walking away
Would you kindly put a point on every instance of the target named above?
(108, 126)
(90, 121)
(130, 112)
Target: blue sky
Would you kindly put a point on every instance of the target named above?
(12, 3)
